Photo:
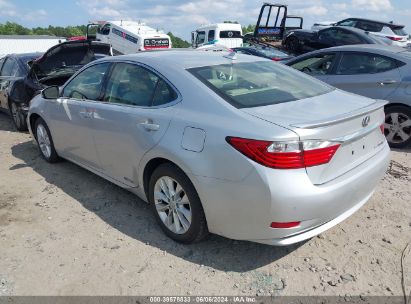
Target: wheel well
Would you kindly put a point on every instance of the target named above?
(149, 169)
(396, 104)
(33, 118)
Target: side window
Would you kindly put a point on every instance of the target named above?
(317, 65)
(134, 85)
(211, 35)
(346, 38)
(369, 26)
(327, 34)
(105, 30)
(87, 84)
(348, 22)
(9, 68)
(200, 37)
(1, 63)
(356, 63)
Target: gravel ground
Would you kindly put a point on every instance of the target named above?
(65, 231)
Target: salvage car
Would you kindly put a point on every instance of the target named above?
(239, 146)
(23, 76)
(394, 32)
(263, 51)
(13, 69)
(301, 41)
(375, 71)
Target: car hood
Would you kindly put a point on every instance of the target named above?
(69, 56)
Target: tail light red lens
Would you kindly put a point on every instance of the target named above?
(285, 225)
(394, 38)
(382, 128)
(285, 155)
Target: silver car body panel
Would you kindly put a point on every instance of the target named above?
(240, 197)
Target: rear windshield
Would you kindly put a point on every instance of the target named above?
(261, 83)
(230, 34)
(271, 52)
(399, 31)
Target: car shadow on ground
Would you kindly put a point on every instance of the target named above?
(128, 214)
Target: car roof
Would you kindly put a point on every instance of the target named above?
(390, 51)
(366, 47)
(184, 58)
(376, 21)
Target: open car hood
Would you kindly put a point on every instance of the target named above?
(71, 55)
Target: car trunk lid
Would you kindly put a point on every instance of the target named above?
(68, 56)
(349, 119)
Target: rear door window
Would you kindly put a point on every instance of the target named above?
(362, 63)
(132, 84)
(348, 22)
(369, 26)
(346, 38)
(320, 64)
(88, 83)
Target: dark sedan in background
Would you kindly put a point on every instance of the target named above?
(301, 41)
(375, 71)
(23, 76)
(263, 51)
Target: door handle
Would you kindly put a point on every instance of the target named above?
(386, 82)
(149, 125)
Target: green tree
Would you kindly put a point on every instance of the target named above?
(178, 42)
(248, 29)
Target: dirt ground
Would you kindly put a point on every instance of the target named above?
(65, 231)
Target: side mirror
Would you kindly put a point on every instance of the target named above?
(52, 92)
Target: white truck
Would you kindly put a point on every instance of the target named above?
(229, 35)
(127, 37)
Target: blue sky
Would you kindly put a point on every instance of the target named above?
(181, 16)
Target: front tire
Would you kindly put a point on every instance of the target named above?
(176, 205)
(397, 127)
(18, 117)
(45, 141)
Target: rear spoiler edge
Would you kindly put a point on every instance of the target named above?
(344, 117)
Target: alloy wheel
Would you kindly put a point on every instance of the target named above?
(397, 127)
(43, 141)
(172, 205)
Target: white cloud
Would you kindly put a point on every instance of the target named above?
(316, 10)
(372, 5)
(7, 9)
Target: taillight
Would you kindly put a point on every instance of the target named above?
(394, 38)
(284, 225)
(382, 128)
(286, 155)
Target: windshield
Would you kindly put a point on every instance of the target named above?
(261, 83)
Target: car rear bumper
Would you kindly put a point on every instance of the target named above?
(244, 210)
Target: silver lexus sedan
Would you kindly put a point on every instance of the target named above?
(234, 145)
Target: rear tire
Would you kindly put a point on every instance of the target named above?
(18, 117)
(45, 141)
(397, 128)
(176, 205)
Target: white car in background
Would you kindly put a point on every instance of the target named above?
(390, 30)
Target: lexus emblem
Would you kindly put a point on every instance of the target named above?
(366, 120)
(230, 34)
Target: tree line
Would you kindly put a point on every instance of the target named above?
(12, 28)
